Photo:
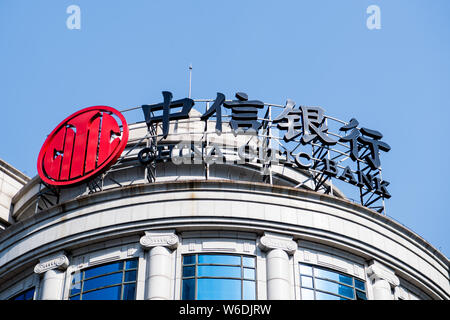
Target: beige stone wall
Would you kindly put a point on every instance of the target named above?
(11, 181)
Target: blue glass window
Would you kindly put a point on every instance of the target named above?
(131, 264)
(113, 281)
(129, 290)
(306, 270)
(25, 295)
(319, 283)
(326, 274)
(307, 294)
(188, 290)
(306, 282)
(189, 271)
(360, 285)
(189, 259)
(110, 293)
(248, 262)
(360, 295)
(249, 273)
(249, 290)
(219, 259)
(334, 287)
(218, 277)
(218, 289)
(326, 296)
(104, 269)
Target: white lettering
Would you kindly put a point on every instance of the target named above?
(374, 20)
(74, 20)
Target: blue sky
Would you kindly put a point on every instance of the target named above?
(395, 79)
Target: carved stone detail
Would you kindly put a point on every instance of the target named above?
(159, 239)
(271, 241)
(378, 271)
(60, 262)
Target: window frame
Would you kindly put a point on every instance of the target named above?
(196, 264)
(24, 292)
(314, 277)
(122, 284)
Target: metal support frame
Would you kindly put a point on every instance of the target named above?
(265, 145)
(152, 143)
(47, 197)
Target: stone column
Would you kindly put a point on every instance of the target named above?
(383, 281)
(51, 269)
(278, 248)
(159, 271)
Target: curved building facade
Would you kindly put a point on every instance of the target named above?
(213, 231)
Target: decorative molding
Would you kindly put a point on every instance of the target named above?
(221, 245)
(104, 256)
(159, 239)
(270, 241)
(131, 252)
(59, 261)
(378, 271)
(102, 260)
(333, 266)
(357, 271)
(400, 294)
(306, 255)
(329, 261)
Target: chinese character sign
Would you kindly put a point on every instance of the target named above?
(300, 126)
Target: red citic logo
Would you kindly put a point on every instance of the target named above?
(82, 146)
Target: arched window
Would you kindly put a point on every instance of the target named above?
(319, 283)
(25, 295)
(113, 281)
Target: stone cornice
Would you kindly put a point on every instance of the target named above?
(283, 191)
(14, 173)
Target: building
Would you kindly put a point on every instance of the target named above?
(11, 181)
(204, 231)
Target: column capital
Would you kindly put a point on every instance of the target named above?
(270, 241)
(55, 261)
(163, 238)
(379, 271)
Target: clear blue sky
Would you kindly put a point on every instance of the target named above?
(395, 80)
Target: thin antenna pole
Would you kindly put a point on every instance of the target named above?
(190, 79)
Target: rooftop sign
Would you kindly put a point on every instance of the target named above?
(299, 137)
(304, 138)
(85, 144)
